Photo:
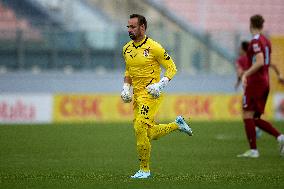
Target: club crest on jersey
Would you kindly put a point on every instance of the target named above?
(255, 47)
(166, 56)
(146, 52)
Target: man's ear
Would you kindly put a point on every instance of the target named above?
(143, 27)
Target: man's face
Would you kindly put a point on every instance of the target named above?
(135, 31)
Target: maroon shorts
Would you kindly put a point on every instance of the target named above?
(254, 99)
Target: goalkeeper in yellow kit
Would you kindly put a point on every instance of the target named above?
(143, 57)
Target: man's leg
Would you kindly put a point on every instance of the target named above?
(251, 135)
(250, 128)
(143, 144)
(160, 130)
(145, 109)
(267, 127)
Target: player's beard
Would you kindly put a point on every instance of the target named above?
(132, 35)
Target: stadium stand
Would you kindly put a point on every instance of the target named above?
(83, 38)
(224, 19)
(174, 33)
(14, 32)
(10, 25)
(58, 45)
(86, 34)
(223, 15)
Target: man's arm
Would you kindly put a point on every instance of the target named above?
(126, 90)
(128, 80)
(276, 70)
(259, 62)
(170, 70)
(240, 72)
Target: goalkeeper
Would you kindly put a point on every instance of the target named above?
(143, 58)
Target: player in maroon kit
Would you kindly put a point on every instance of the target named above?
(242, 64)
(255, 82)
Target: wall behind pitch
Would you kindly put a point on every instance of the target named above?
(277, 59)
(72, 108)
(26, 108)
(90, 107)
(109, 108)
(278, 106)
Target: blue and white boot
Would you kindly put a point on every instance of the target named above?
(141, 174)
(258, 132)
(281, 144)
(183, 126)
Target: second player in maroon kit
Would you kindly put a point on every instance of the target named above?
(257, 89)
(241, 62)
(255, 81)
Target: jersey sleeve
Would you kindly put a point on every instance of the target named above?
(166, 61)
(126, 73)
(256, 46)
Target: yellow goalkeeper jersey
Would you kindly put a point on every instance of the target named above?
(143, 60)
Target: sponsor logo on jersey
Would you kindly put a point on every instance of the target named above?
(146, 52)
(255, 47)
(166, 56)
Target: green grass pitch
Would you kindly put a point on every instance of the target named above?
(104, 156)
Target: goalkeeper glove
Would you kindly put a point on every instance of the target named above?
(156, 88)
(125, 94)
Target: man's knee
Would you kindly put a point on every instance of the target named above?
(141, 145)
(140, 126)
(257, 115)
(248, 114)
(142, 122)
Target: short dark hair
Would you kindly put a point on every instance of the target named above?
(257, 21)
(245, 45)
(141, 19)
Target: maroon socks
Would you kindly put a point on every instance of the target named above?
(267, 127)
(250, 131)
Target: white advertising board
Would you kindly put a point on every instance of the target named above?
(26, 108)
(278, 105)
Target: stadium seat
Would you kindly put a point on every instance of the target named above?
(230, 15)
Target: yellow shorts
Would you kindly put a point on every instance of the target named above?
(146, 107)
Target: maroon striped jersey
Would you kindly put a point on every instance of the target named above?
(259, 44)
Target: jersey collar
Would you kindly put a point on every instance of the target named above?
(256, 36)
(140, 43)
